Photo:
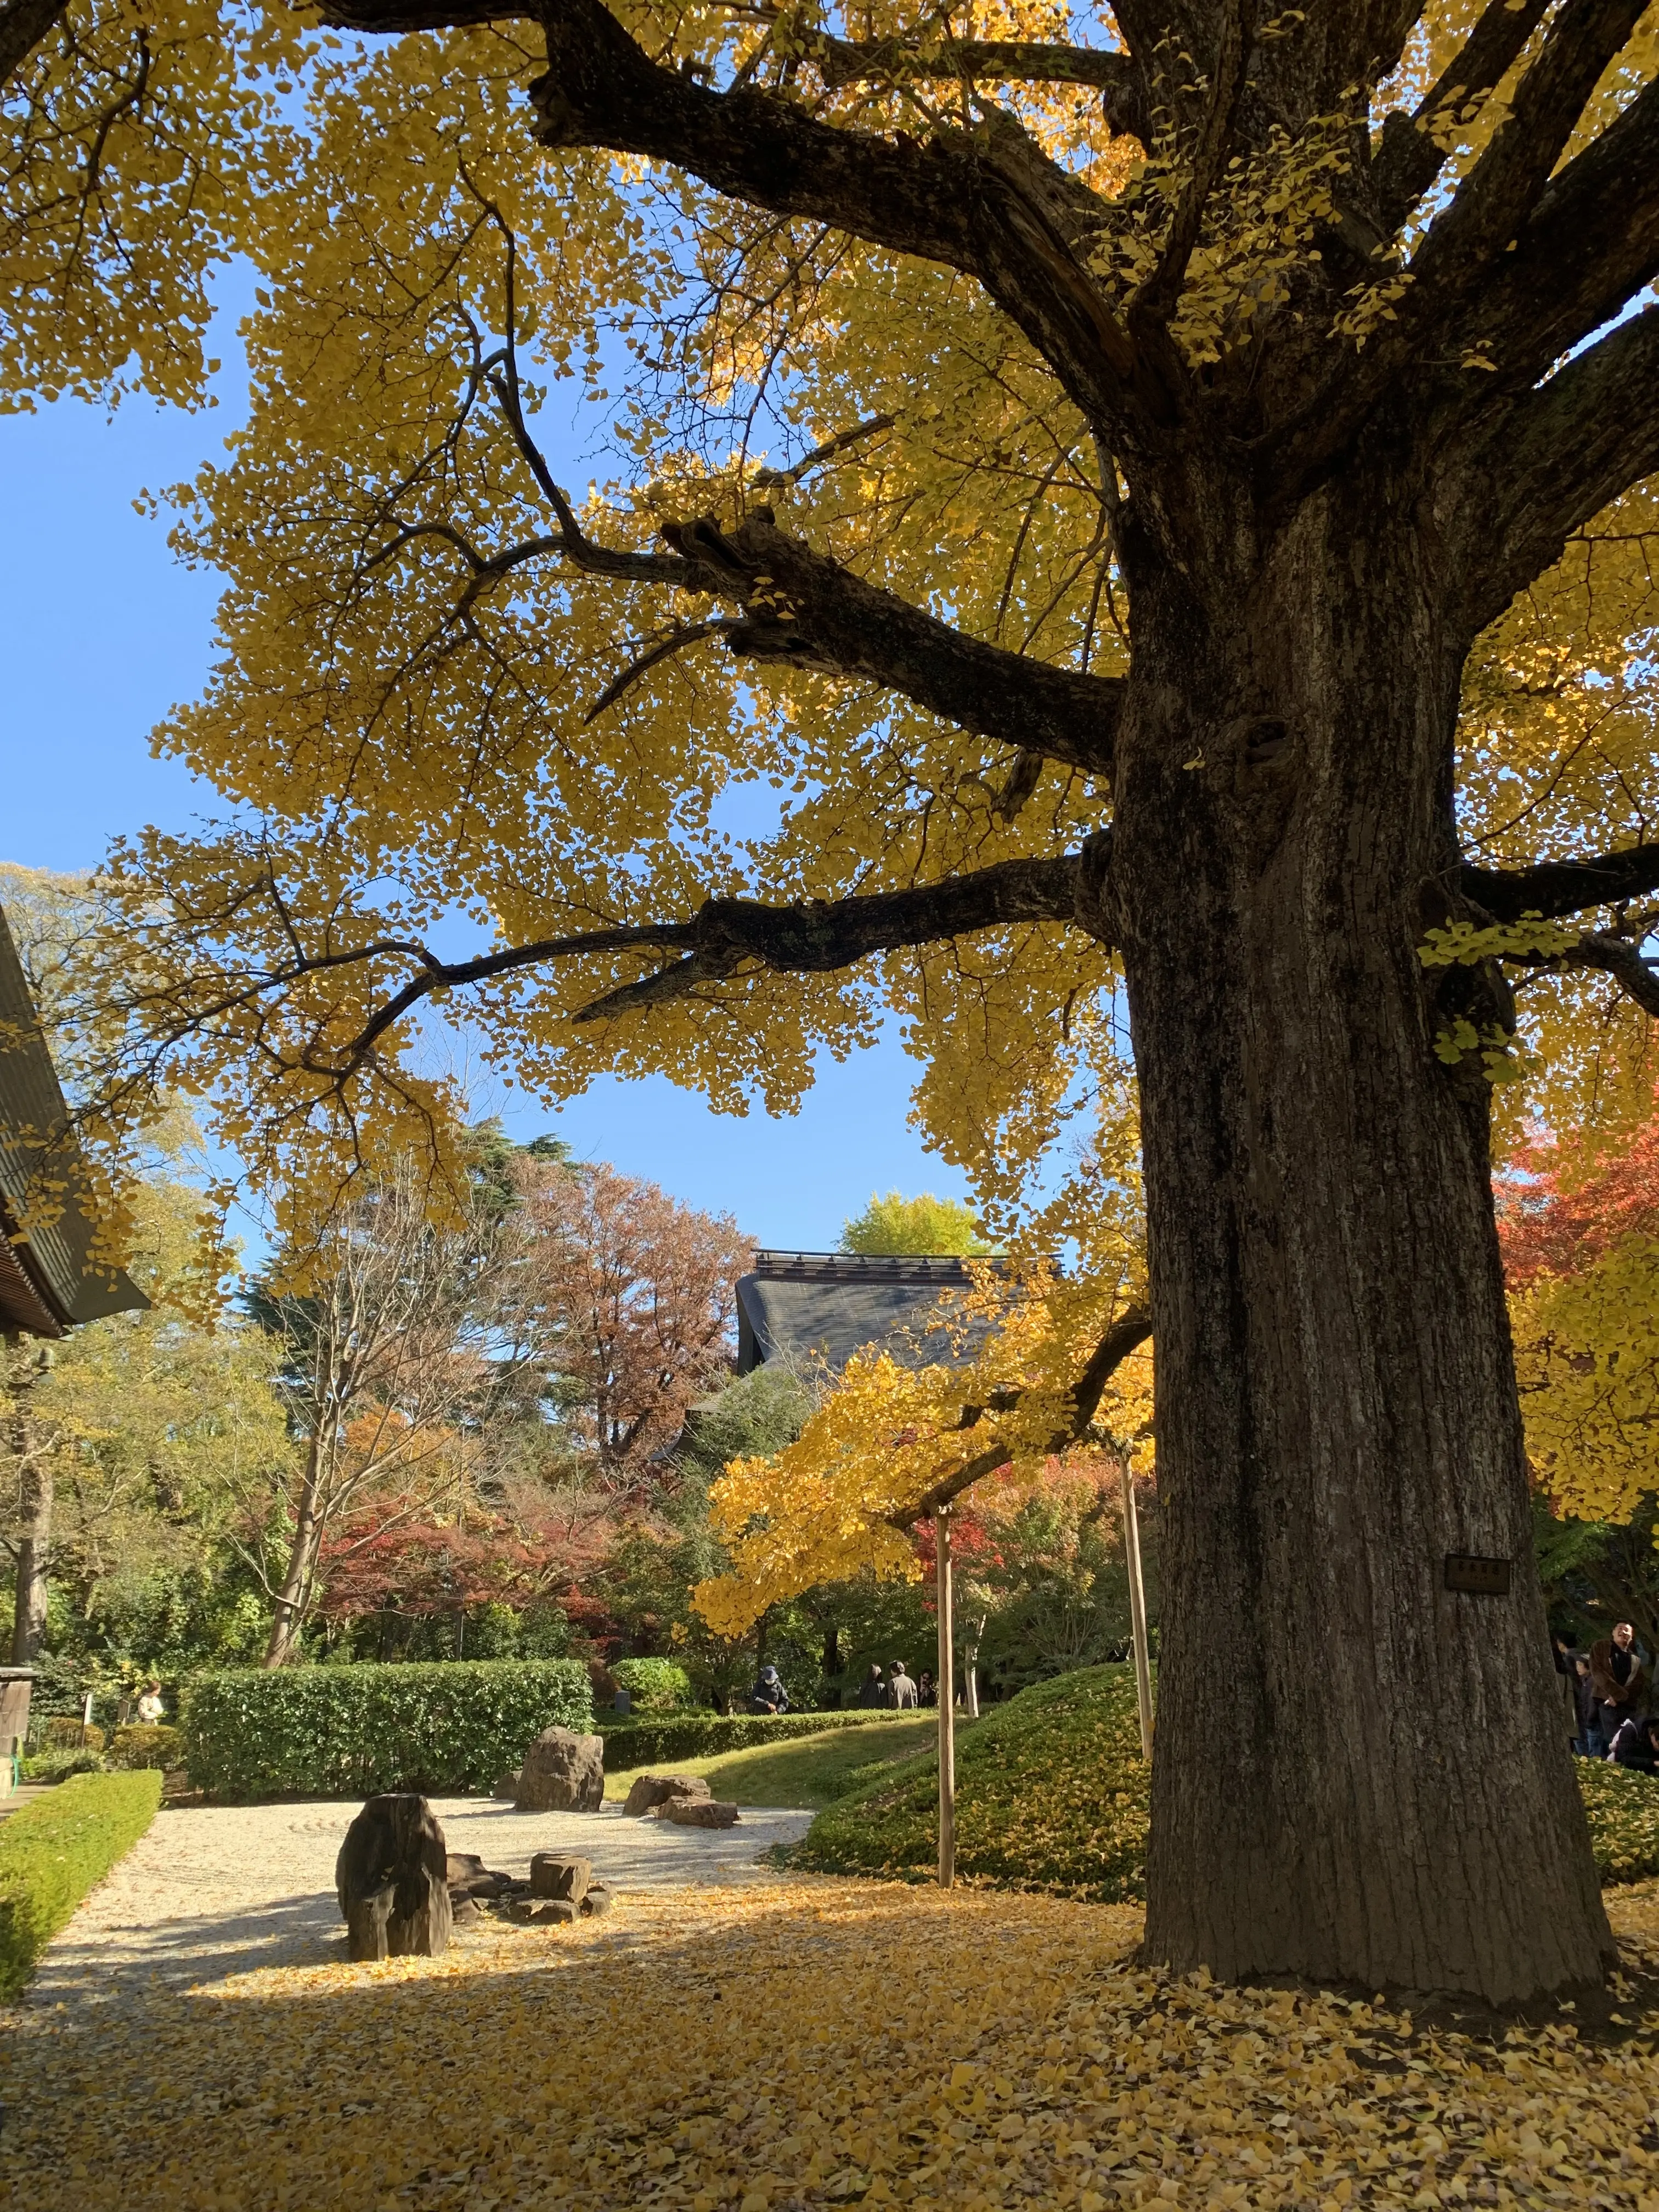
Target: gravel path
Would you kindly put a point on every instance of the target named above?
(214, 1890)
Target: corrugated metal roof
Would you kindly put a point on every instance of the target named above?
(810, 1306)
(49, 1280)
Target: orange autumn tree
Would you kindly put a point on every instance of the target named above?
(1580, 1232)
(1123, 538)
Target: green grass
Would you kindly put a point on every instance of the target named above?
(812, 1771)
(54, 1851)
(1052, 1795)
(671, 1742)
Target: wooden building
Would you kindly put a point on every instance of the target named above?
(50, 1282)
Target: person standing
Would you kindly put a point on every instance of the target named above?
(1588, 1740)
(1618, 1677)
(925, 1689)
(900, 1690)
(873, 1691)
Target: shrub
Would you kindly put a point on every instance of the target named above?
(53, 1851)
(64, 1732)
(1623, 1806)
(350, 1731)
(145, 1744)
(655, 1686)
(1051, 1795)
(59, 1766)
(706, 1735)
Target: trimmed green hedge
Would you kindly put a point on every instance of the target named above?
(53, 1851)
(706, 1735)
(350, 1731)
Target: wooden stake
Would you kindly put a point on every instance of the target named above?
(1138, 1612)
(947, 1701)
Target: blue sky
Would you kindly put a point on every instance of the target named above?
(102, 632)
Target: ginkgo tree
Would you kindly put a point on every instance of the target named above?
(1150, 498)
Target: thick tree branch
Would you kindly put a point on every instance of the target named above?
(1591, 245)
(989, 61)
(1613, 956)
(24, 24)
(1521, 282)
(808, 612)
(1126, 1335)
(952, 201)
(1500, 192)
(1555, 459)
(1555, 888)
(818, 936)
(1414, 147)
(1156, 297)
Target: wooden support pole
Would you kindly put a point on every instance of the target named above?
(1137, 1611)
(947, 1701)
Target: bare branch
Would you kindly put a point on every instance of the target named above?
(1591, 245)
(777, 479)
(1498, 195)
(808, 612)
(664, 647)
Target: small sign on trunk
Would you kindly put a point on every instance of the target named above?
(1465, 1570)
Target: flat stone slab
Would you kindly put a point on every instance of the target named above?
(698, 1812)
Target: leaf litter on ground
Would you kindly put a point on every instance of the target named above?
(814, 2043)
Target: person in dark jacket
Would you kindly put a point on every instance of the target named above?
(769, 1694)
(1637, 1744)
(1620, 1678)
(873, 1691)
(926, 1689)
(1589, 1743)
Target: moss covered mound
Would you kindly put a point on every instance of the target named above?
(1052, 1795)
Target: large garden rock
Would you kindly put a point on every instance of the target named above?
(391, 1878)
(562, 1772)
(651, 1790)
(699, 1813)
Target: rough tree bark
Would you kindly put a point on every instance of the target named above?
(1336, 1405)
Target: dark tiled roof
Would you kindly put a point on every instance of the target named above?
(48, 1279)
(810, 1306)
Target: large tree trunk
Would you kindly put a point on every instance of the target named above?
(1359, 1776)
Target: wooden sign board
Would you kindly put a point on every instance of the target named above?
(1465, 1570)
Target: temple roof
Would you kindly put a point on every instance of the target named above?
(48, 1278)
(809, 1306)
